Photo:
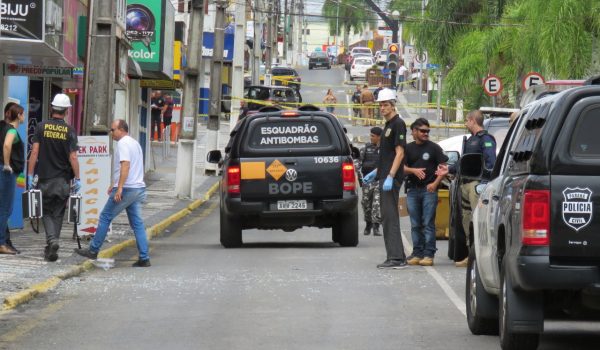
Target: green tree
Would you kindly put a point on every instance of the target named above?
(346, 16)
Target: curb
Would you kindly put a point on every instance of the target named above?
(24, 296)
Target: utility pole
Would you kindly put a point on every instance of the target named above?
(237, 89)
(257, 42)
(99, 80)
(186, 151)
(285, 31)
(216, 84)
(268, 57)
(302, 36)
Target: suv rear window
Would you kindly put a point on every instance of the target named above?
(285, 134)
(584, 142)
(280, 72)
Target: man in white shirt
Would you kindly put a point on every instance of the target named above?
(402, 76)
(127, 192)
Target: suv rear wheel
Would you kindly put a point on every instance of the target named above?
(345, 231)
(482, 308)
(231, 231)
(512, 302)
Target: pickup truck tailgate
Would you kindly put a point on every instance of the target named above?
(575, 225)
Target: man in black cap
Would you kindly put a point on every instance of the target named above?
(369, 156)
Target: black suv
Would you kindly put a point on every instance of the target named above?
(286, 170)
(319, 59)
(536, 228)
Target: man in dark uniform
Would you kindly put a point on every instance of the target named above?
(157, 106)
(390, 173)
(367, 162)
(483, 143)
(55, 152)
(356, 102)
(422, 160)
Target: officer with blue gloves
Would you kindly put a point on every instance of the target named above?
(390, 174)
(54, 155)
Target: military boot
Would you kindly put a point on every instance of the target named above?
(376, 230)
(368, 229)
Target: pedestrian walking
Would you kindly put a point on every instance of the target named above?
(402, 71)
(329, 101)
(157, 105)
(127, 192)
(366, 100)
(356, 104)
(55, 153)
(390, 173)
(243, 110)
(423, 157)
(13, 160)
(367, 162)
(483, 143)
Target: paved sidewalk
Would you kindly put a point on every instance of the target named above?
(28, 272)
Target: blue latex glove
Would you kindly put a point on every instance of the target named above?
(388, 184)
(370, 176)
(29, 181)
(76, 185)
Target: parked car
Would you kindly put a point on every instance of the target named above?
(536, 248)
(286, 76)
(359, 67)
(319, 59)
(287, 170)
(272, 95)
(381, 57)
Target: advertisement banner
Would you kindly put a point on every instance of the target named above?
(94, 170)
(22, 20)
(144, 27)
(37, 71)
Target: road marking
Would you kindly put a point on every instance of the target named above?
(26, 327)
(450, 293)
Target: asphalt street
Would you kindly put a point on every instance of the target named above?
(280, 290)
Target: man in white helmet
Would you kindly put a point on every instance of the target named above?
(54, 160)
(389, 172)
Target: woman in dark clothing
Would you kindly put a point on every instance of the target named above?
(13, 159)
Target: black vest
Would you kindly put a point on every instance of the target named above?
(17, 154)
(370, 159)
(474, 143)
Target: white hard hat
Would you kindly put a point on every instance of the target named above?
(386, 95)
(61, 101)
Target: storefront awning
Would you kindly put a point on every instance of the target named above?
(133, 69)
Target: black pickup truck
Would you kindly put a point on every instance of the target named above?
(536, 228)
(286, 170)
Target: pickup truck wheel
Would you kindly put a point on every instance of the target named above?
(231, 231)
(347, 229)
(509, 302)
(482, 308)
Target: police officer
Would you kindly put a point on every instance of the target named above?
(390, 174)
(356, 102)
(369, 156)
(483, 143)
(55, 152)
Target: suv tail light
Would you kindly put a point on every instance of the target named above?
(233, 179)
(536, 217)
(348, 176)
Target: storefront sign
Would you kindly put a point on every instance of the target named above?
(38, 71)
(208, 44)
(161, 84)
(22, 20)
(94, 170)
(144, 23)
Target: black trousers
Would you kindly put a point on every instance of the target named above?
(155, 123)
(55, 193)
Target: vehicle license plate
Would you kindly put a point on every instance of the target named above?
(292, 205)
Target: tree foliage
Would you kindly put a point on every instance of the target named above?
(508, 38)
(346, 16)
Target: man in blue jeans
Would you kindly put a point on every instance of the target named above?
(127, 192)
(422, 160)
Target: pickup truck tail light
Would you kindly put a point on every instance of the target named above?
(348, 176)
(233, 179)
(536, 217)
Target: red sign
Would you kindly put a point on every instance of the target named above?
(531, 79)
(492, 85)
